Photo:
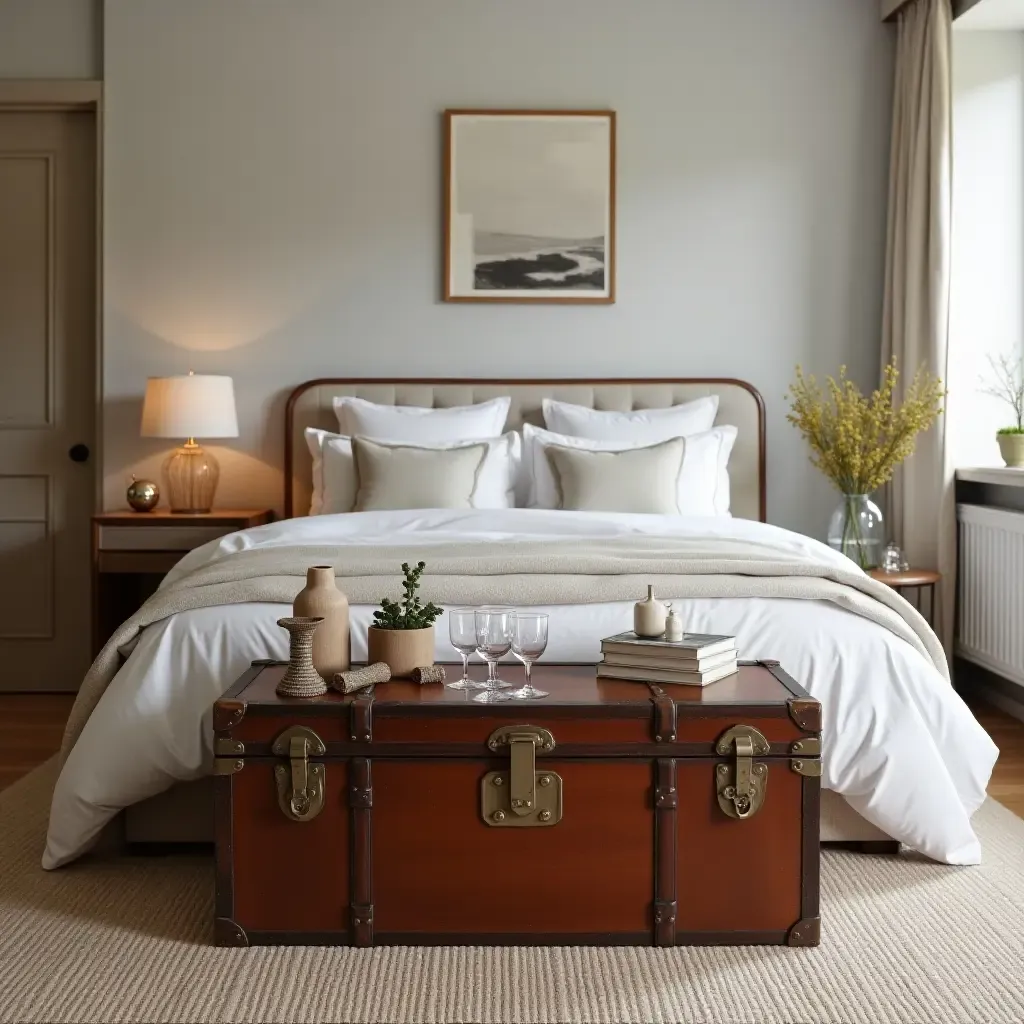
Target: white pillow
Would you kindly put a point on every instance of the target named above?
(315, 439)
(494, 485)
(359, 418)
(647, 425)
(703, 481)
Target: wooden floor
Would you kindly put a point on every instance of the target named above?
(1007, 785)
(31, 726)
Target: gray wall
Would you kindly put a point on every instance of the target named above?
(273, 184)
(50, 39)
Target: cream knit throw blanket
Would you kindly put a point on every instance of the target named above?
(520, 573)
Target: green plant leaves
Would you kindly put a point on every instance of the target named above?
(410, 612)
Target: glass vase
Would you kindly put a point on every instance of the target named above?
(857, 530)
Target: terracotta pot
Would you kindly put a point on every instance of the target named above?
(1011, 447)
(322, 598)
(401, 650)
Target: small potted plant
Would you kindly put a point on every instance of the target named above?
(1007, 384)
(402, 634)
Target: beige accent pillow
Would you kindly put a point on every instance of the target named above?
(633, 480)
(402, 476)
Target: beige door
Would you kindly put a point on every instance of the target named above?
(47, 395)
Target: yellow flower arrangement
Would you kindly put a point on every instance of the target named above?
(857, 441)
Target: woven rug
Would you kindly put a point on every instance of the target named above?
(129, 940)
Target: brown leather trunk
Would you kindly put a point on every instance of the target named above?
(610, 813)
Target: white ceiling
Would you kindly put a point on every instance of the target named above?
(990, 15)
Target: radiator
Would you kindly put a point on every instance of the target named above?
(990, 620)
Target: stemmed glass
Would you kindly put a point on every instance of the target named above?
(462, 633)
(529, 640)
(493, 639)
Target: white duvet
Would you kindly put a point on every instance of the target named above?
(899, 744)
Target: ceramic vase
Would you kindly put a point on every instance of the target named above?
(301, 679)
(401, 650)
(649, 616)
(322, 598)
(1011, 447)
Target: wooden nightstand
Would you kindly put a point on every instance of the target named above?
(133, 551)
(917, 580)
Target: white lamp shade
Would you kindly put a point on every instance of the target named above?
(197, 405)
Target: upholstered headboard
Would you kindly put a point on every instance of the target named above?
(740, 404)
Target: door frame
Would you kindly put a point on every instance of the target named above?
(30, 94)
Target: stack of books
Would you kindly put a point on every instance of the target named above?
(696, 660)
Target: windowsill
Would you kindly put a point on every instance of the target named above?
(999, 475)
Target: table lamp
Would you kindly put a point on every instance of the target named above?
(199, 405)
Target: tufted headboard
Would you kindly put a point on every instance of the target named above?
(740, 404)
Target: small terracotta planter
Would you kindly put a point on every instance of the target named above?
(1011, 447)
(401, 650)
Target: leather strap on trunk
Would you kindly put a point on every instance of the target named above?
(666, 831)
(664, 715)
(361, 716)
(361, 802)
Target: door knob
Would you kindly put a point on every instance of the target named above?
(78, 453)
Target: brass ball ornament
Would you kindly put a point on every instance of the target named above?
(143, 495)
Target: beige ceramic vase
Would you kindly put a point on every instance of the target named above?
(401, 650)
(649, 616)
(322, 598)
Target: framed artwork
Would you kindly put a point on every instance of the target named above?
(529, 206)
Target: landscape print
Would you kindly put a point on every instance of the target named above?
(530, 206)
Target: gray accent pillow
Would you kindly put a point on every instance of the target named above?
(633, 480)
(403, 476)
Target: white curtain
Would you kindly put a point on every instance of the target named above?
(920, 506)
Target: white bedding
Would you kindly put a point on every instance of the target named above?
(899, 743)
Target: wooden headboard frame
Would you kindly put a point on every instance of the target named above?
(354, 385)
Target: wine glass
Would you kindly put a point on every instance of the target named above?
(493, 639)
(462, 633)
(529, 640)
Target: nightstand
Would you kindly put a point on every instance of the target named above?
(133, 551)
(917, 580)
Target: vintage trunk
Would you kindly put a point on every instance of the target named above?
(609, 813)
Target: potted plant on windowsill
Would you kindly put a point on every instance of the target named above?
(1007, 384)
(402, 634)
(857, 441)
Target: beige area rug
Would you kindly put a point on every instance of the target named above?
(129, 940)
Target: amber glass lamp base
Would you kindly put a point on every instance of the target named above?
(192, 476)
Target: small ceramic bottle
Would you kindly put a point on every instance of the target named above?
(649, 616)
(673, 626)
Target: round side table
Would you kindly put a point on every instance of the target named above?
(917, 580)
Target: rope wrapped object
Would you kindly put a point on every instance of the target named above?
(360, 678)
(301, 679)
(428, 674)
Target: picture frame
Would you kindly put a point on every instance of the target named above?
(529, 206)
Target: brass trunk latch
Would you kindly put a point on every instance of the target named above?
(521, 795)
(741, 786)
(300, 786)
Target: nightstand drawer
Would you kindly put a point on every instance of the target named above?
(158, 538)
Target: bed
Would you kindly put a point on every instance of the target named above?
(908, 760)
